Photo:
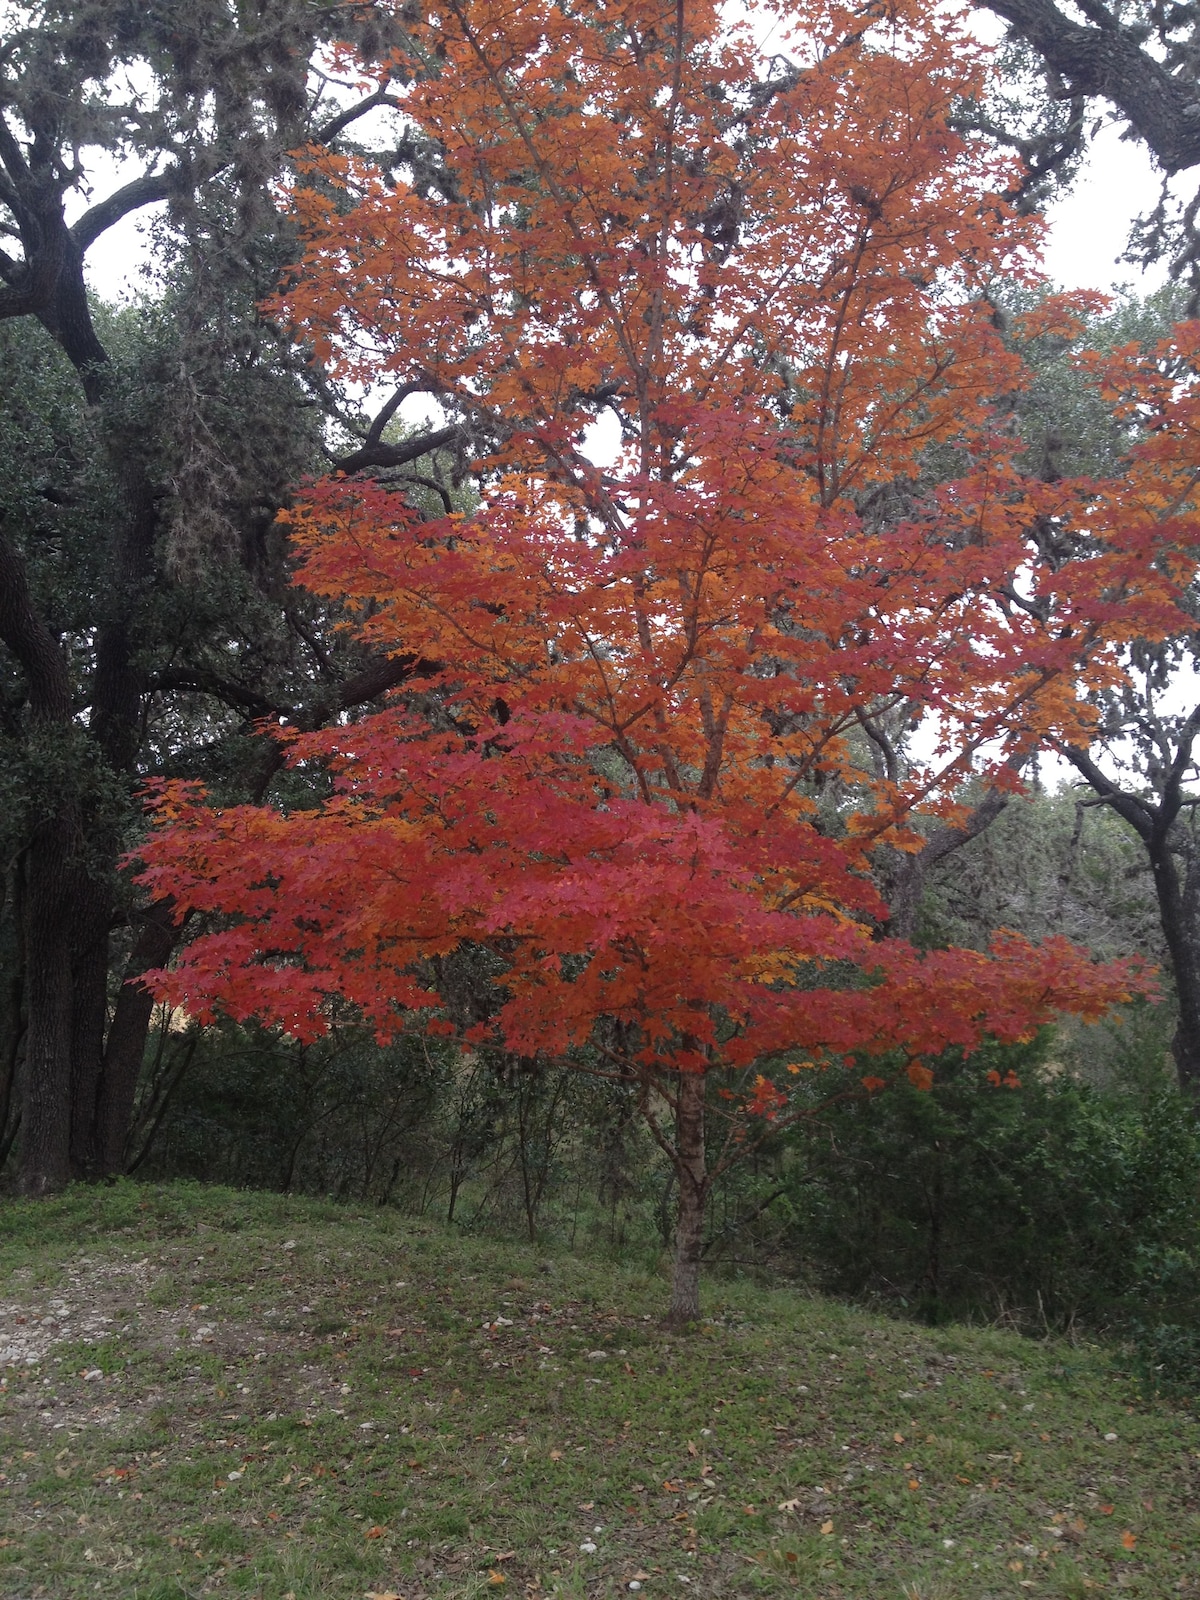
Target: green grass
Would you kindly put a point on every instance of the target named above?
(293, 1399)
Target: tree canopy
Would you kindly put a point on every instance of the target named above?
(643, 767)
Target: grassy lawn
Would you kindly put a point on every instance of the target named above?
(207, 1392)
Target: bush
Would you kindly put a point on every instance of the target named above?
(1010, 1190)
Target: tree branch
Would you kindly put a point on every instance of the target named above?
(133, 196)
(1109, 61)
(341, 122)
(378, 454)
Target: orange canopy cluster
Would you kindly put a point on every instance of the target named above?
(641, 766)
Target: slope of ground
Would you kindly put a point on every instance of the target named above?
(209, 1393)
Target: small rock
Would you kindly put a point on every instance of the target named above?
(588, 1547)
(597, 1355)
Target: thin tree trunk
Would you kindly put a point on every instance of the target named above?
(1178, 901)
(12, 1045)
(91, 919)
(125, 1049)
(1178, 913)
(691, 1170)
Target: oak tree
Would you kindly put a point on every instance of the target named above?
(193, 428)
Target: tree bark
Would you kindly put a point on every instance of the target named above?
(46, 1123)
(1109, 60)
(691, 1170)
(1178, 898)
(125, 1048)
(46, 1132)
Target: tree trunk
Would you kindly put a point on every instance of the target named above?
(92, 914)
(691, 1171)
(125, 1049)
(1177, 909)
(1178, 901)
(46, 1129)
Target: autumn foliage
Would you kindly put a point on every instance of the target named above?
(640, 759)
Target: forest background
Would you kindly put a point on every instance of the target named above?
(147, 630)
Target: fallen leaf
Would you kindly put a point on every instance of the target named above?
(556, 1455)
(1106, 1511)
(914, 1483)
(827, 1527)
(788, 1505)
(691, 1449)
(376, 1532)
(382, 1594)
(898, 1437)
(496, 1578)
(1129, 1540)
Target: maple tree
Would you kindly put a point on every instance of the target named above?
(639, 762)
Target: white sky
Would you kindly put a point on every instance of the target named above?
(1090, 228)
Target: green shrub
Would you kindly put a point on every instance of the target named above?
(1040, 1204)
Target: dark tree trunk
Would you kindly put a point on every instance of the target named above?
(1158, 827)
(46, 1121)
(691, 1170)
(12, 1036)
(125, 1049)
(46, 1130)
(1177, 909)
(91, 921)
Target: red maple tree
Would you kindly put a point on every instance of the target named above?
(639, 767)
